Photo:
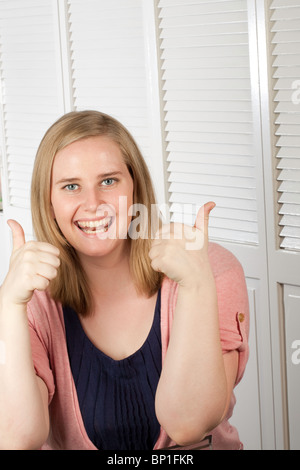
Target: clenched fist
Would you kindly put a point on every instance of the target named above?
(32, 266)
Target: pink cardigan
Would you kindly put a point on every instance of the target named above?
(51, 361)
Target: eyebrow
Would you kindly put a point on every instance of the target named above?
(100, 177)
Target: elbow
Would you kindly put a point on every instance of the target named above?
(185, 434)
(26, 440)
(186, 437)
(22, 443)
(185, 429)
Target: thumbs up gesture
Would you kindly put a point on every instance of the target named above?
(32, 266)
(181, 251)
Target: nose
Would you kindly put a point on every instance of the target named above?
(92, 200)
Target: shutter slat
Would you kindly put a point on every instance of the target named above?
(202, 44)
(206, 126)
(214, 180)
(290, 221)
(289, 163)
(211, 169)
(215, 18)
(208, 117)
(209, 148)
(178, 73)
(220, 198)
(284, 3)
(241, 194)
(212, 84)
(290, 198)
(230, 160)
(289, 175)
(289, 187)
(288, 130)
(290, 209)
(218, 137)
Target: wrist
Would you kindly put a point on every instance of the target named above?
(7, 305)
(199, 278)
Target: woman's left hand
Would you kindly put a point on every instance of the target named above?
(180, 251)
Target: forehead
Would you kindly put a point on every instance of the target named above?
(98, 150)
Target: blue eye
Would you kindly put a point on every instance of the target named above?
(108, 181)
(71, 187)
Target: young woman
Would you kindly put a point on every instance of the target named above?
(112, 338)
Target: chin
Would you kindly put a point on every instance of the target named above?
(104, 248)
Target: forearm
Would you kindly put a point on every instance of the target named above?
(191, 394)
(23, 423)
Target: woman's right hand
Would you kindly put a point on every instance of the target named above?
(32, 266)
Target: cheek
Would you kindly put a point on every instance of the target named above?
(124, 208)
(56, 206)
(123, 201)
(60, 209)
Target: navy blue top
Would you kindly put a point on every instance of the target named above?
(116, 398)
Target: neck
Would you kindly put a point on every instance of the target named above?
(109, 274)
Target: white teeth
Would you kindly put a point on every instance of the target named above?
(95, 231)
(98, 226)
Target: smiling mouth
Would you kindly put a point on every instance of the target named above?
(94, 226)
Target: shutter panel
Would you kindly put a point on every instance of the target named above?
(108, 62)
(285, 24)
(208, 114)
(29, 88)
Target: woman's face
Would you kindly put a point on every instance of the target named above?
(91, 192)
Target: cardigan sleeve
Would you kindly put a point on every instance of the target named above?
(232, 304)
(39, 337)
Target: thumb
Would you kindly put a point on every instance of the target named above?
(203, 216)
(17, 234)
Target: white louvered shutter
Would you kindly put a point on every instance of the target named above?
(29, 88)
(208, 113)
(285, 26)
(108, 62)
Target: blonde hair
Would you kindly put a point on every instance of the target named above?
(70, 286)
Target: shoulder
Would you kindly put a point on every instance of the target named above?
(229, 275)
(223, 261)
(232, 291)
